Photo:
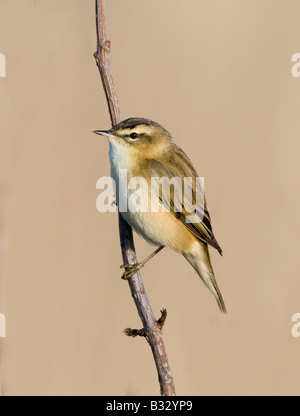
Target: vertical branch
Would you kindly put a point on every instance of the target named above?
(152, 329)
(103, 63)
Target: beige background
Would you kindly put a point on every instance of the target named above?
(217, 74)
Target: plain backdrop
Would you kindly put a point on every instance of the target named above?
(217, 74)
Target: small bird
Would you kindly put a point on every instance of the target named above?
(146, 149)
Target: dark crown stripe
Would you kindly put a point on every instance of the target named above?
(131, 123)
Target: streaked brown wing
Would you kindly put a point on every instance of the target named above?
(177, 164)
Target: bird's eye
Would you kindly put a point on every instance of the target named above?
(134, 136)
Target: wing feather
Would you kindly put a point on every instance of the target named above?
(198, 222)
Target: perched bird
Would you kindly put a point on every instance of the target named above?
(146, 150)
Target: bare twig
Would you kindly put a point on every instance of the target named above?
(141, 332)
(152, 329)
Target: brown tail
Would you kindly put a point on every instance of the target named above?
(200, 260)
(216, 291)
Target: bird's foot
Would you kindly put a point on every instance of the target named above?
(131, 270)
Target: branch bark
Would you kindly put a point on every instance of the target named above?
(152, 329)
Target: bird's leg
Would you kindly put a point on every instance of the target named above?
(132, 269)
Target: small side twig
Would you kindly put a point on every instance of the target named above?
(162, 319)
(142, 333)
(152, 329)
(134, 332)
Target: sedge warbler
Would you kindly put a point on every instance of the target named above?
(146, 150)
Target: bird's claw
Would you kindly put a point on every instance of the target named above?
(131, 270)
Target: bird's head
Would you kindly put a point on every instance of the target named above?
(139, 135)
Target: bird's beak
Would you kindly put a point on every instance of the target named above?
(105, 133)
